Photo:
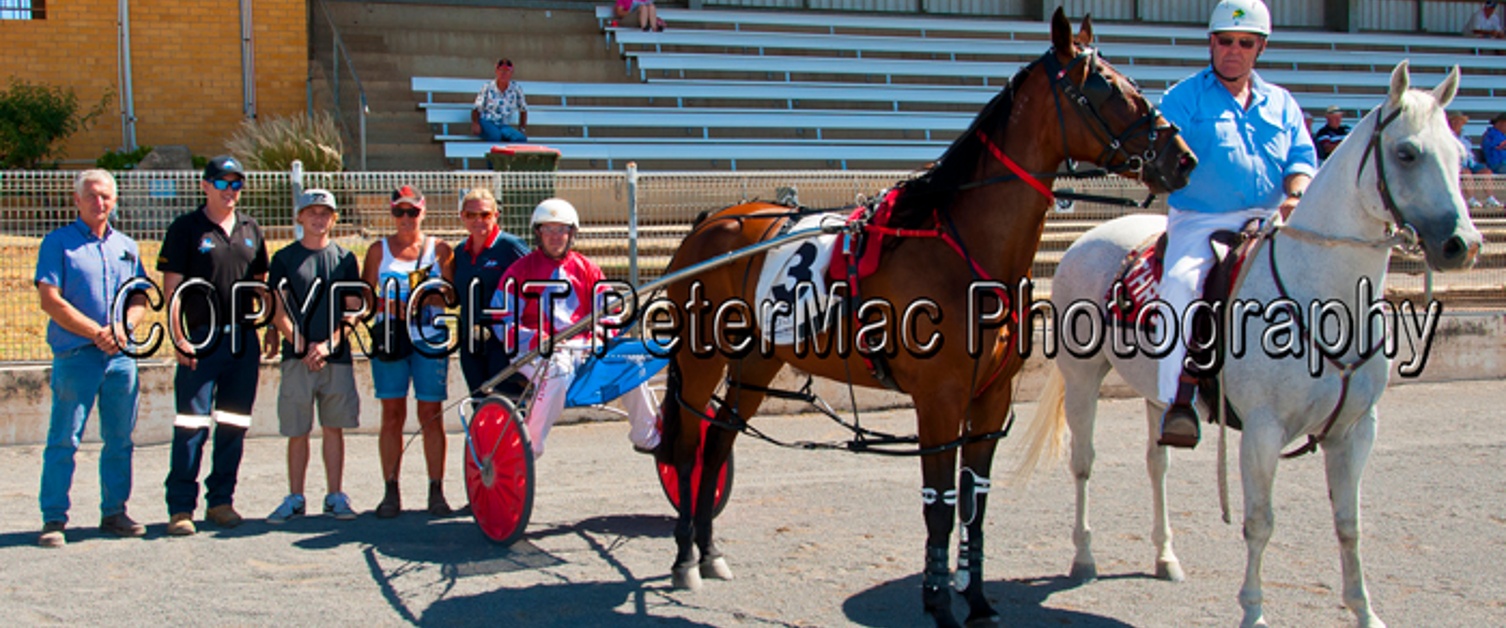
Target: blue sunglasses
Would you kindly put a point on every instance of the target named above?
(224, 184)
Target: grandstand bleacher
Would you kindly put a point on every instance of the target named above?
(733, 87)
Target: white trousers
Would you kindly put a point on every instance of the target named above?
(551, 386)
(1188, 259)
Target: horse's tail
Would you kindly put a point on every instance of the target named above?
(1045, 437)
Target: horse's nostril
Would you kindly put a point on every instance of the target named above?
(1454, 248)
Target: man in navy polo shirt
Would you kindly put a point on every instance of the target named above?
(80, 268)
(211, 249)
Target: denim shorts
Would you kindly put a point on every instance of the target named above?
(430, 377)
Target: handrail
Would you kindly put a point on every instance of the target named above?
(363, 109)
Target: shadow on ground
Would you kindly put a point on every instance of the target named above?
(1019, 602)
(456, 546)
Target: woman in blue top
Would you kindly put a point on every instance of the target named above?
(1254, 158)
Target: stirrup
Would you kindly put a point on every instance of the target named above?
(1179, 427)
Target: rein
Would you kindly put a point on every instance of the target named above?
(1400, 233)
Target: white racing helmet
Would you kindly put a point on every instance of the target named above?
(555, 210)
(1240, 16)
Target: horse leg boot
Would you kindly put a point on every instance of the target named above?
(935, 588)
(1179, 425)
(718, 446)
(972, 501)
(685, 574)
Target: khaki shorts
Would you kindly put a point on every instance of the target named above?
(333, 387)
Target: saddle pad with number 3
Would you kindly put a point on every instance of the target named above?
(795, 274)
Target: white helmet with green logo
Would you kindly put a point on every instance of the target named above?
(1240, 16)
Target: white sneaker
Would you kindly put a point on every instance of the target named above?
(292, 506)
(338, 504)
(1474, 203)
(1491, 202)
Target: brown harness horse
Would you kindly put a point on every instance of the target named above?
(980, 193)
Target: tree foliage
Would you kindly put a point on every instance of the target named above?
(36, 117)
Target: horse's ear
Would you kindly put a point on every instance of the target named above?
(1061, 32)
(1085, 31)
(1445, 91)
(1400, 81)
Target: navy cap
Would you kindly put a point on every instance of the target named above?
(223, 165)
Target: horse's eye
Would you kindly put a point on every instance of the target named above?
(1407, 154)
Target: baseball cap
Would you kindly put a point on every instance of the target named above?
(1332, 109)
(223, 165)
(317, 196)
(407, 194)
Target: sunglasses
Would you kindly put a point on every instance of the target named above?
(554, 229)
(477, 215)
(411, 212)
(504, 64)
(1247, 44)
(228, 184)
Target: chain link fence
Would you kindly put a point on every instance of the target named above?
(664, 203)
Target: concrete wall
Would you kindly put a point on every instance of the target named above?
(1467, 347)
(186, 66)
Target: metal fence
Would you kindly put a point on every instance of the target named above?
(660, 205)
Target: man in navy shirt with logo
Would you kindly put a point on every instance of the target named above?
(80, 267)
(210, 250)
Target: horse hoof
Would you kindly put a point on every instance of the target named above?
(1083, 572)
(716, 569)
(985, 621)
(1170, 570)
(685, 578)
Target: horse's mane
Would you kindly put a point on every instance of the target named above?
(939, 185)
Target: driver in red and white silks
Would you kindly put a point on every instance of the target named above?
(555, 224)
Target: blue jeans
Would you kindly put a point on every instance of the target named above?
(79, 376)
(496, 131)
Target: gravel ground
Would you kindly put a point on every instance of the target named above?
(815, 538)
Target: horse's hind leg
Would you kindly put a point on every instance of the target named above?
(1259, 451)
(690, 387)
(1344, 459)
(1080, 404)
(1168, 567)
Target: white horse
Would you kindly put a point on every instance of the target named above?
(1395, 179)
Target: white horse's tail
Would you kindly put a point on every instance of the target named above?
(1046, 436)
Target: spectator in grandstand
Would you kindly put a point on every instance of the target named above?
(214, 384)
(648, 15)
(316, 365)
(395, 266)
(80, 267)
(484, 255)
(1334, 131)
(1493, 144)
(1255, 159)
(555, 224)
(501, 112)
(1487, 22)
(1470, 165)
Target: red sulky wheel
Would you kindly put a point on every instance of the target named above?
(669, 478)
(499, 470)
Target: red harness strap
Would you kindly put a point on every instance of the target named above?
(1015, 168)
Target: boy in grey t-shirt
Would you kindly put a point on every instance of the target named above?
(316, 363)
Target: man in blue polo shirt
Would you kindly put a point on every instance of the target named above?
(1254, 158)
(480, 260)
(80, 268)
(216, 380)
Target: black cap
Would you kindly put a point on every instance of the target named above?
(221, 166)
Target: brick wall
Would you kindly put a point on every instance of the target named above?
(185, 64)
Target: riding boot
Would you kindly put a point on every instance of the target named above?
(1179, 425)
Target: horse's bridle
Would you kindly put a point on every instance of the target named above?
(1088, 99)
